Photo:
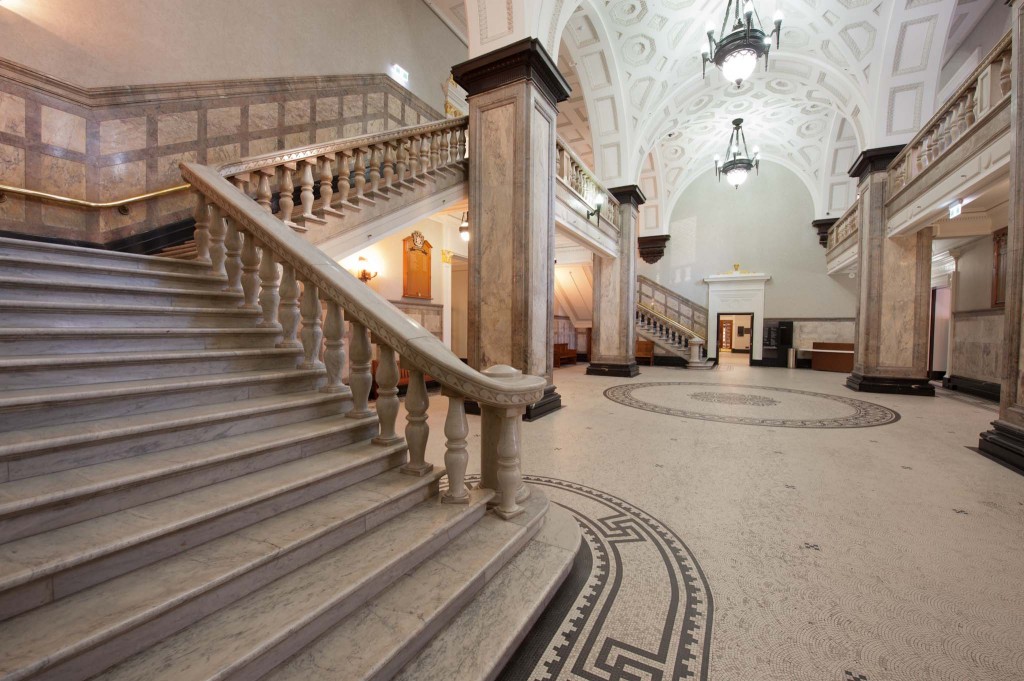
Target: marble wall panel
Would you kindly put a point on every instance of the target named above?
(296, 139)
(12, 172)
(223, 121)
(353, 105)
(326, 134)
(427, 315)
(12, 114)
(62, 129)
(263, 116)
(564, 331)
(899, 268)
(122, 134)
(167, 173)
(978, 345)
(262, 146)
(223, 153)
(296, 112)
(375, 104)
(327, 109)
(176, 128)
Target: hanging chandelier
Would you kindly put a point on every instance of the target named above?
(737, 166)
(737, 52)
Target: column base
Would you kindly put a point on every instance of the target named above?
(890, 385)
(1005, 443)
(551, 401)
(628, 370)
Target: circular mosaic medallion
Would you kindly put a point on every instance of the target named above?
(744, 404)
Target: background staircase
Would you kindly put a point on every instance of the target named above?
(180, 500)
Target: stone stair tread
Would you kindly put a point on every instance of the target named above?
(377, 640)
(118, 308)
(296, 605)
(85, 252)
(43, 554)
(52, 488)
(139, 332)
(100, 358)
(70, 267)
(81, 621)
(63, 394)
(68, 434)
(482, 637)
(61, 284)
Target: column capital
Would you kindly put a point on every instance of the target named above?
(629, 193)
(874, 160)
(525, 59)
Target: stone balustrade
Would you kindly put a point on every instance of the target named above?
(984, 92)
(844, 229)
(664, 328)
(291, 283)
(676, 309)
(575, 174)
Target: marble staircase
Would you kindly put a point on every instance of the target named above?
(185, 494)
(672, 339)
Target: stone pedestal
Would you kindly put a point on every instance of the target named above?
(695, 345)
(513, 94)
(1005, 441)
(613, 343)
(891, 348)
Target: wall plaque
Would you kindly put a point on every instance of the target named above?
(416, 267)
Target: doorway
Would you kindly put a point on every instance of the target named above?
(734, 338)
(460, 307)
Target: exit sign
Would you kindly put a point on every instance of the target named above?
(955, 208)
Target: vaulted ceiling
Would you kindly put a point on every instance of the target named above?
(850, 75)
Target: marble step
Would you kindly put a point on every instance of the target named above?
(39, 267)
(62, 314)
(51, 565)
(257, 633)
(36, 341)
(479, 641)
(78, 254)
(46, 502)
(57, 288)
(376, 641)
(36, 407)
(48, 449)
(52, 370)
(79, 635)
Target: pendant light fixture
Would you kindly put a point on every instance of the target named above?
(738, 163)
(736, 53)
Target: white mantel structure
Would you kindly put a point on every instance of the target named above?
(736, 293)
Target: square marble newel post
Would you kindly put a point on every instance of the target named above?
(513, 97)
(1006, 439)
(614, 336)
(891, 344)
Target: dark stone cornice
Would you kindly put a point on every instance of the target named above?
(630, 193)
(874, 160)
(822, 226)
(525, 59)
(652, 247)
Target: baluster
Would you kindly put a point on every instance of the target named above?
(289, 309)
(453, 146)
(387, 395)
(1005, 71)
(270, 282)
(971, 114)
(202, 233)
(961, 115)
(285, 198)
(400, 162)
(343, 172)
(263, 193)
(456, 456)
(306, 195)
(435, 156)
(442, 149)
(334, 350)
(360, 173)
(312, 333)
(375, 161)
(250, 273)
(326, 182)
(500, 449)
(416, 428)
(425, 154)
(389, 165)
(217, 234)
(232, 257)
(359, 378)
(462, 144)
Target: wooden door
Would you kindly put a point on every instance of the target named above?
(725, 334)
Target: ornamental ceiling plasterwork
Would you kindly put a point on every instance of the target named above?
(850, 75)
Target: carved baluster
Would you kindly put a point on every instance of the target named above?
(202, 233)
(961, 117)
(499, 439)
(416, 428)
(359, 377)
(312, 333)
(971, 113)
(453, 146)
(289, 309)
(1005, 72)
(334, 350)
(401, 164)
(442, 149)
(270, 283)
(387, 395)
(425, 154)
(375, 161)
(263, 193)
(232, 257)
(414, 158)
(343, 173)
(326, 182)
(389, 165)
(285, 198)
(462, 144)
(456, 457)
(306, 195)
(360, 173)
(218, 232)
(435, 147)
(250, 273)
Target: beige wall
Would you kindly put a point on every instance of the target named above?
(460, 309)
(978, 344)
(974, 290)
(97, 43)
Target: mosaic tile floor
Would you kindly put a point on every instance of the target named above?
(887, 553)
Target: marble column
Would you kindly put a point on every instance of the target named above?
(613, 340)
(954, 293)
(1005, 441)
(894, 308)
(513, 98)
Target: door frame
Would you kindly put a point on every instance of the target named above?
(718, 321)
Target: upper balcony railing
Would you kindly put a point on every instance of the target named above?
(843, 231)
(572, 171)
(983, 93)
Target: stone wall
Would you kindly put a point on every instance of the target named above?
(977, 345)
(105, 144)
(428, 315)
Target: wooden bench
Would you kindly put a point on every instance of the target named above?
(563, 354)
(645, 350)
(836, 357)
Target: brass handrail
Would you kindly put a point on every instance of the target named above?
(91, 205)
(671, 322)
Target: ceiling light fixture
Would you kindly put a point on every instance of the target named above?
(737, 52)
(737, 167)
(464, 227)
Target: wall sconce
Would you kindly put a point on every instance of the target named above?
(364, 274)
(464, 227)
(598, 202)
